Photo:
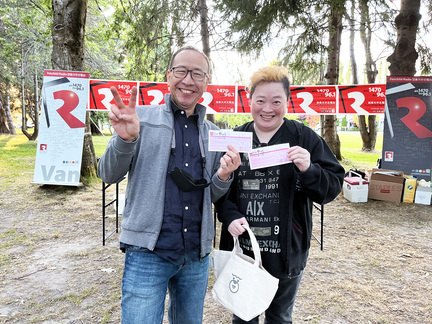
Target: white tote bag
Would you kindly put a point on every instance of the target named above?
(243, 286)
(221, 257)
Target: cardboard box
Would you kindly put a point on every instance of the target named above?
(386, 185)
(409, 189)
(355, 189)
(423, 195)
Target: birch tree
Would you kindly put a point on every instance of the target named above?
(368, 131)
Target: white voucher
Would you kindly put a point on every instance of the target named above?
(219, 140)
(266, 156)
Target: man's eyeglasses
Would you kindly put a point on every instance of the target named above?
(181, 73)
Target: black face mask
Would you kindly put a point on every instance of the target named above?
(186, 182)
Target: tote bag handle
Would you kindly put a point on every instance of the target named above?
(254, 243)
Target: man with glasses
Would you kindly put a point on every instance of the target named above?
(167, 225)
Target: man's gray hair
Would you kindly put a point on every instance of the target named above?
(189, 48)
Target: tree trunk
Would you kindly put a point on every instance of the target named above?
(8, 117)
(368, 131)
(352, 43)
(3, 119)
(205, 37)
(23, 107)
(329, 127)
(94, 124)
(69, 17)
(89, 162)
(402, 61)
(36, 109)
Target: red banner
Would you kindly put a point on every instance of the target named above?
(219, 98)
(362, 99)
(101, 98)
(230, 99)
(152, 93)
(312, 100)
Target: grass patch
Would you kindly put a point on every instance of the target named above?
(351, 150)
(17, 160)
(77, 299)
(13, 237)
(100, 143)
(5, 260)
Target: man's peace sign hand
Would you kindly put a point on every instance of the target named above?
(124, 118)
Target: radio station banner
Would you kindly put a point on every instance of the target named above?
(100, 96)
(61, 130)
(407, 142)
(218, 99)
(367, 99)
(234, 99)
(152, 93)
(313, 100)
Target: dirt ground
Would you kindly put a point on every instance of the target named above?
(376, 266)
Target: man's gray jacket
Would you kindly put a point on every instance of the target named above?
(145, 161)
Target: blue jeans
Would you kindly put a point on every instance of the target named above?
(280, 309)
(146, 279)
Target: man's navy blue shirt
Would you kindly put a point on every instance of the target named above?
(179, 239)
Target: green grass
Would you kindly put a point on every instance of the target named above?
(100, 143)
(17, 157)
(352, 154)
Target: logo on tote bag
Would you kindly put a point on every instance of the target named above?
(234, 285)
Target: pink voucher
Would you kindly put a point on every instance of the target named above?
(219, 140)
(266, 156)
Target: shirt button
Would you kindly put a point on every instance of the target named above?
(182, 112)
(185, 230)
(186, 207)
(185, 126)
(187, 144)
(186, 164)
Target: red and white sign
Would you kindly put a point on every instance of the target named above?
(312, 100)
(388, 156)
(368, 99)
(230, 99)
(152, 93)
(100, 96)
(220, 99)
(62, 126)
(217, 98)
